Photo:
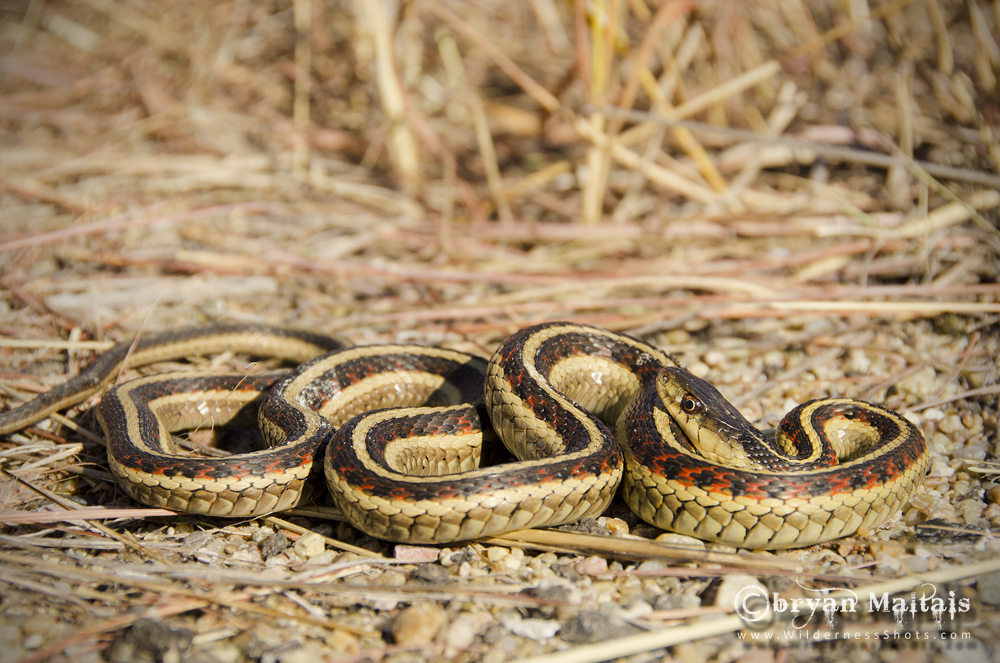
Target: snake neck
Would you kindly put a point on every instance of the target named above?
(656, 423)
(556, 387)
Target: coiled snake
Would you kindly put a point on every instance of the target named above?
(582, 408)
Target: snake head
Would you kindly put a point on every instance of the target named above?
(711, 424)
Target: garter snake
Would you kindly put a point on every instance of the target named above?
(400, 429)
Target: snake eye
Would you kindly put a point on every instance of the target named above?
(690, 404)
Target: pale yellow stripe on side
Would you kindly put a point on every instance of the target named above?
(360, 447)
(132, 419)
(383, 390)
(529, 351)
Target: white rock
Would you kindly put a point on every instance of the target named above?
(742, 592)
(534, 629)
(591, 566)
(463, 631)
(418, 624)
(309, 545)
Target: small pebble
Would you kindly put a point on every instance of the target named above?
(323, 529)
(889, 555)
(432, 574)
(669, 602)
(38, 624)
(970, 510)
(694, 652)
(590, 627)
(614, 526)
(387, 578)
(273, 545)
(197, 539)
(261, 533)
(384, 605)
(342, 642)
(279, 561)
(494, 633)
(917, 564)
(634, 609)
(418, 624)
(323, 558)
(699, 369)
(858, 362)
(715, 357)
(774, 359)
(736, 590)
(819, 327)
(150, 640)
(309, 545)
(951, 424)
(533, 628)
(591, 566)
(758, 655)
(677, 337)
(462, 632)
(989, 589)
(932, 414)
(247, 554)
(496, 553)
(513, 561)
(33, 641)
(887, 550)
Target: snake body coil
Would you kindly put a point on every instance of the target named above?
(401, 431)
(836, 467)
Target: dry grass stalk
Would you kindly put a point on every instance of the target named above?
(20, 517)
(804, 148)
(536, 91)
(402, 144)
(301, 105)
(634, 549)
(284, 524)
(456, 72)
(654, 173)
